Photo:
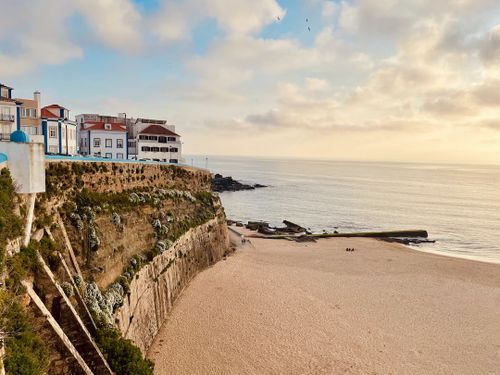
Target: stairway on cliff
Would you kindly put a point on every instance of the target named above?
(79, 338)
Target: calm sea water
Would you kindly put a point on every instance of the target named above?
(459, 205)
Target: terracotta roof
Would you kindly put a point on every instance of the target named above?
(157, 129)
(27, 101)
(96, 125)
(45, 113)
(54, 106)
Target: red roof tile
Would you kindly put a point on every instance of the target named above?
(96, 125)
(157, 129)
(45, 113)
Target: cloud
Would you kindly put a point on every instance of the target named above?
(490, 48)
(115, 23)
(39, 31)
(178, 18)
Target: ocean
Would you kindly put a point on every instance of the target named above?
(459, 205)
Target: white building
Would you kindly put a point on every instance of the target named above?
(60, 135)
(154, 140)
(103, 140)
(9, 113)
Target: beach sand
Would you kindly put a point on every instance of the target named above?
(280, 307)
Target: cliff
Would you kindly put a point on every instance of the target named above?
(113, 246)
(157, 286)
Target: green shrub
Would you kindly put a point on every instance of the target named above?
(122, 355)
(21, 265)
(25, 352)
(10, 224)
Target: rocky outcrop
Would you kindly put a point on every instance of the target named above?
(221, 183)
(157, 285)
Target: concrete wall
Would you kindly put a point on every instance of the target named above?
(26, 162)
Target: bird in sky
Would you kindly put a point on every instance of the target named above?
(308, 28)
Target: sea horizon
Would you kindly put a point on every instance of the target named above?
(456, 203)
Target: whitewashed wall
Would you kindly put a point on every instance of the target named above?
(26, 162)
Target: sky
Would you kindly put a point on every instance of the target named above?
(381, 80)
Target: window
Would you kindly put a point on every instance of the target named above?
(97, 142)
(162, 139)
(119, 143)
(109, 143)
(52, 132)
(107, 127)
(174, 149)
(145, 148)
(97, 154)
(143, 137)
(28, 112)
(119, 155)
(153, 138)
(155, 149)
(171, 139)
(164, 149)
(174, 161)
(108, 155)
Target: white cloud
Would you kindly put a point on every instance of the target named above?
(237, 17)
(38, 31)
(116, 23)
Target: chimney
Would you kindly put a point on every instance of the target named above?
(37, 97)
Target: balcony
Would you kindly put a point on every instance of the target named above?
(6, 118)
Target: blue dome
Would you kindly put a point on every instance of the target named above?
(19, 136)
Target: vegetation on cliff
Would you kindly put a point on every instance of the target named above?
(10, 223)
(122, 355)
(25, 350)
(25, 353)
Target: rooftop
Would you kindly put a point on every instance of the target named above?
(157, 129)
(150, 121)
(99, 125)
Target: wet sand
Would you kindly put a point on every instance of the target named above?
(279, 307)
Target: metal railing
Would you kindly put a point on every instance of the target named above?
(6, 117)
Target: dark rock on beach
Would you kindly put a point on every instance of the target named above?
(221, 183)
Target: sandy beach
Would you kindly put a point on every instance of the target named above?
(280, 307)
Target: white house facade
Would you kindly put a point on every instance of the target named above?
(103, 140)
(60, 134)
(154, 140)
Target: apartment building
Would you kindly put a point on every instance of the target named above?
(154, 140)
